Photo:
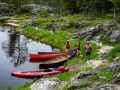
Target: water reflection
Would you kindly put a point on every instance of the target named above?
(14, 49)
(19, 56)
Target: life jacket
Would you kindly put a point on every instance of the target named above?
(67, 44)
(87, 47)
(61, 68)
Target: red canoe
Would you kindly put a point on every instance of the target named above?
(50, 52)
(45, 56)
(40, 72)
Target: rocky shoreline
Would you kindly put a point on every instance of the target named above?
(52, 83)
(94, 35)
(81, 77)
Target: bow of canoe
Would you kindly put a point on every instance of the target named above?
(57, 60)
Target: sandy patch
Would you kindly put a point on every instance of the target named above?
(104, 49)
(94, 63)
(13, 24)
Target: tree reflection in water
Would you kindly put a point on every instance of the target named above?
(14, 49)
(20, 56)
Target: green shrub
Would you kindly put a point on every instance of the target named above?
(105, 39)
(43, 21)
(117, 18)
(115, 52)
(44, 12)
(25, 9)
(109, 16)
(83, 85)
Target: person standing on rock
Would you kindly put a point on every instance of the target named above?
(88, 50)
(67, 45)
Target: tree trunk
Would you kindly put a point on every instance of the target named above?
(114, 9)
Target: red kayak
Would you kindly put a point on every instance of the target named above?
(40, 72)
(45, 56)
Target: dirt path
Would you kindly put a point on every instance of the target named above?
(96, 62)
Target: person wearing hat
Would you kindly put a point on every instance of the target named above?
(88, 50)
(67, 45)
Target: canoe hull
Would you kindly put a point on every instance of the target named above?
(50, 52)
(44, 56)
(36, 73)
(49, 63)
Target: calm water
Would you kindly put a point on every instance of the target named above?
(14, 56)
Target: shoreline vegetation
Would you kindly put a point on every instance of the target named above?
(58, 40)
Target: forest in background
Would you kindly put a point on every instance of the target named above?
(71, 6)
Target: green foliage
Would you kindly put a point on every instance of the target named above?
(26, 85)
(76, 60)
(117, 18)
(44, 13)
(57, 39)
(25, 9)
(22, 87)
(87, 6)
(108, 74)
(44, 21)
(9, 88)
(109, 16)
(105, 39)
(45, 76)
(115, 52)
(65, 87)
(78, 21)
(83, 85)
(114, 1)
(34, 79)
(103, 15)
(105, 71)
(72, 6)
